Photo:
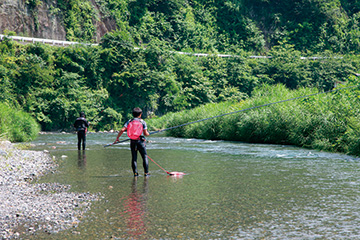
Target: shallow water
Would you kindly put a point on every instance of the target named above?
(232, 190)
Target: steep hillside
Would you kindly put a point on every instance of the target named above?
(211, 26)
(28, 20)
(44, 19)
(54, 84)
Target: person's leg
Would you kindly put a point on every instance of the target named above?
(133, 156)
(79, 140)
(142, 150)
(84, 140)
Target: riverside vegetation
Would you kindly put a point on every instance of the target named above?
(17, 125)
(329, 122)
(136, 65)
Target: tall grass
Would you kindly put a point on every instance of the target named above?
(328, 122)
(16, 125)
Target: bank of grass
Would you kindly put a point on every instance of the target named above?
(16, 125)
(327, 122)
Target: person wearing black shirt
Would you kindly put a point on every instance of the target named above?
(81, 125)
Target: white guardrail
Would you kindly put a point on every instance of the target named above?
(41, 40)
(69, 43)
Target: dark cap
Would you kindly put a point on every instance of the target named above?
(136, 112)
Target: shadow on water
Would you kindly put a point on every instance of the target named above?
(231, 191)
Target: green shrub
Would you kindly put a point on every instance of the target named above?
(16, 125)
(327, 122)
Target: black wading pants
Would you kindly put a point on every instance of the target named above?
(81, 138)
(139, 145)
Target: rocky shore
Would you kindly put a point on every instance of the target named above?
(27, 207)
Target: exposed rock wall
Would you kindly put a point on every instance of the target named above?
(16, 16)
(104, 25)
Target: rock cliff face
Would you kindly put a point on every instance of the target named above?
(17, 16)
(104, 25)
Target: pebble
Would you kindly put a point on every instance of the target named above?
(45, 207)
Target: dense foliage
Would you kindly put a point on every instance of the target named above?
(327, 122)
(220, 26)
(137, 65)
(55, 84)
(16, 125)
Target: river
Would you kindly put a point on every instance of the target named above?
(231, 190)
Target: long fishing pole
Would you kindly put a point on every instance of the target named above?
(250, 108)
(96, 115)
(242, 110)
(125, 140)
(93, 119)
(110, 144)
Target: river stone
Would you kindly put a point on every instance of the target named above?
(30, 207)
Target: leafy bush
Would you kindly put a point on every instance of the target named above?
(16, 125)
(325, 121)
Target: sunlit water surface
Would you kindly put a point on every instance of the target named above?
(232, 190)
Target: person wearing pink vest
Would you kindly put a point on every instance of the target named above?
(136, 130)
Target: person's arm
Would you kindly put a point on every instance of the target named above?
(119, 134)
(146, 133)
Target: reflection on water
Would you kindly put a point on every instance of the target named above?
(231, 191)
(135, 209)
(81, 159)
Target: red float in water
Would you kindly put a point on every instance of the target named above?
(176, 173)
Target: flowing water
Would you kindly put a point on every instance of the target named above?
(232, 190)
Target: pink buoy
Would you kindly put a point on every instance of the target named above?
(176, 173)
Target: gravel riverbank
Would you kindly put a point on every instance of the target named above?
(27, 207)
